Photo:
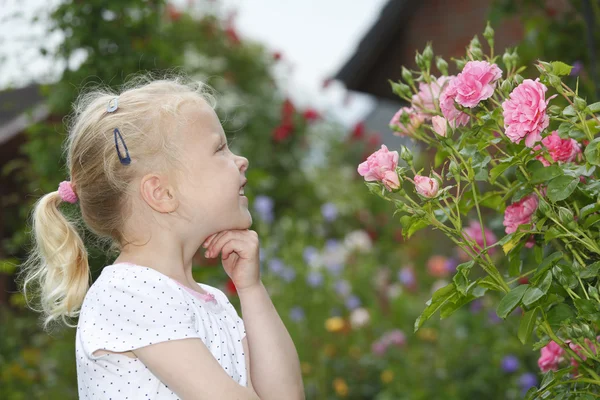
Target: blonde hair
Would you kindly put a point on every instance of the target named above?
(57, 266)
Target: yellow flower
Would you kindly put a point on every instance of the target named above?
(329, 350)
(335, 324)
(306, 368)
(427, 334)
(387, 376)
(340, 386)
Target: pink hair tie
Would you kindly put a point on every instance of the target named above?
(65, 189)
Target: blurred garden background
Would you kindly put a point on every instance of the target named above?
(347, 280)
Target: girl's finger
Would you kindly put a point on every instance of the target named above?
(233, 246)
(218, 243)
(215, 239)
(209, 240)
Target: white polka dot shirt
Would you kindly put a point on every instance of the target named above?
(131, 306)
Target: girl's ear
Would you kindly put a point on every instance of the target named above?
(158, 194)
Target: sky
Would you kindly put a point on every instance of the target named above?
(315, 38)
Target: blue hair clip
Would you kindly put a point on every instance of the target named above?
(113, 104)
(125, 160)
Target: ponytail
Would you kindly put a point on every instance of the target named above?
(57, 266)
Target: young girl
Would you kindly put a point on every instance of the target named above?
(152, 173)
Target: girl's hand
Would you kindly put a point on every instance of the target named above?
(239, 254)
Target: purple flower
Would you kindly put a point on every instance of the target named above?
(329, 212)
(343, 288)
(263, 205)
(493, 318)
(310, 254)
(314, 279)
(451, 265)
(476, 306)
(335, 269)
(297, 314)
(276, 266)
(332, 244)
(353, 302)
(527, 381)
(407, 276)
(577, 68)
(510, 364)
(288, 274)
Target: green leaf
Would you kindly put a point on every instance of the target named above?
(511, 301)
(586, 307)
(439, 298)
(533, 294)
(450, 307)
(547, 264)
(569, 111)
(489, 283)
(418, 225)
(559, 314)
(540, 174)
(594, 107)
(591, 271)
(561, 187)
(515, 264)
(494, 202)
(591, 220)
(592, 152)
(526, 325)
(499, 170)
(590, 208)
(560, 68)
(461, 278)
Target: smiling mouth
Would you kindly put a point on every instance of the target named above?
(241, 193)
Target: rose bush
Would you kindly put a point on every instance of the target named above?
(519, 154)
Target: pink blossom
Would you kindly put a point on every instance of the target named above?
(565, 150)
(473, 232)
(550, 356)
(519, 213)
(525, 112)
(414, 122)
(439, 125)
(381, 166)
(426, 100)
(426, 186)
(476, 82)
(455, 117)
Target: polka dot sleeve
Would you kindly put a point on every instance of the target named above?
(232, 312)
(133, 308)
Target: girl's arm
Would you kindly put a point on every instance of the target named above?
(189, 369)
(273, 358)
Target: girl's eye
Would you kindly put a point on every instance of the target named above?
(222, 147)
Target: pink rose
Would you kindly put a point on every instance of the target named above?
(473, 232)
(476, 82)
(426, 186)
(525, 112)
(550, 356)
(414, 121)
(519, 213)
(426, 100)
(455, 117)
(439, 125)
(381, 166)
(565, 150)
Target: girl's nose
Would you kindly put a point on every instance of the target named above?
(243, 163)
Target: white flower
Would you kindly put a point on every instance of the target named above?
(358, 240)
(359, 317)
(394, 291)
